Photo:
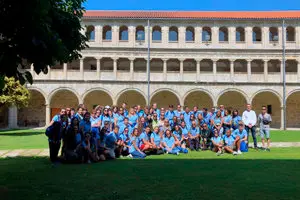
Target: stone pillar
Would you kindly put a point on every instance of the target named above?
(98, 60)
(281, 70)
(281, 118)
(265, 36)
(297, 36)
(181, 36)
(266, 70)
(231, 35)
(115, 68)
(280, 36)
(165, 69)
(181, 69)
(298, 70)
(131, 68)
(232, 70)
(198, 70)
(198, 35)
(215, 35)
(12, 117)
(81, 69)
(115, 35)
(131, 35)
(48, 114)
(32, 71)
(98, 34)
(215, 70)
(248, 36)
(65, 71)
(49, 73)
(249, 70)
(165, 35)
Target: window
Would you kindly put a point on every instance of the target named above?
(156, 33)
(123, 33)
(173, 34)
(189, 34)
(90, 33)
(106, 34)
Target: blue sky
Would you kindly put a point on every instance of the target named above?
(205, 5)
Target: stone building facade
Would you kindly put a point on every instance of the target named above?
(196, 58)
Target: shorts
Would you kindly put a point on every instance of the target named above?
(142, 147)
(264, 132)
(231, 147)
(111, 153)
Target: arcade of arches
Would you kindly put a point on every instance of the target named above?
(35, 114)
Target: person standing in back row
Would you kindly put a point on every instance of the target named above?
(249, 119)
(264, 120)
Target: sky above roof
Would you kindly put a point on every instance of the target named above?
(203, 5)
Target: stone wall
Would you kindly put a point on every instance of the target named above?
(97, 98)
(293, 110)
(200, 99)
(132, 98)
(233, 100)
(63, 99)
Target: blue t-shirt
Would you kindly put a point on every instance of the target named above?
(104, 119)
(177, 113)
(56, 118)
(123, 137)
(216, 139)
(206, 117)
(87, 127)
(217, 120)
(78, 138)
(194, 131)
(187, 117)
(110, 140)
(94, 120)
(169, 141)
(177, 134)
(120, 119)
(170, 114)
(184, 131)
(142, 136)
(78, 116)
(235, 122)
(229, 141)
(133, 119)
(237, 133)
(156, 138)
(122, 128)
(136, 139)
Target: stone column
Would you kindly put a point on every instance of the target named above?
(165, 35)
(232, 70)
(98, 60)
(231, 35)
(181, 36)
(297, 36)
(281, 119)
(32, 71)
(281, 70)
(12, 117)
(249, 70)
(49, 73)
(215, 35)
(165, 69)
(215, 70)
(181, 69)
(280, 36)
(265, 36)
(266, 70)
(198, 35)
(115, 68)
(115, 35)
(65, 71)
(131, 68)
(48, 114)
(131, 35)
(81, 69)
(248, 36)
(298, 70)
(198, 70)
(98, 34)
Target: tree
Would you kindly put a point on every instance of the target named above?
(38, 32)
(14, 93)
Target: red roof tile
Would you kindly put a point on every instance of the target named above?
(194, 14)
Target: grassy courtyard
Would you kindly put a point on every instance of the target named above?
(255, 175)
(36, 139)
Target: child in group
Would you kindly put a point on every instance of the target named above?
(217, 143)
(229, 143)
(134, 150)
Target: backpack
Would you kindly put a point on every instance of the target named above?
(244, 147)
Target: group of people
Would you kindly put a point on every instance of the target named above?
(111, 132)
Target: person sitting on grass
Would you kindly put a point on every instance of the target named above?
(169, 144)
(185, 134)
(156, 141)
(134, 150)
(239, 135)
(194, 137)
(229, 143)
(123, 142)
(111, 143)
(205, 137)
(217, 143)
(89, 148)
(144, 137)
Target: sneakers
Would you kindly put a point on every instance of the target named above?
(129, 156)
(234, 153)
(219, 153)
(239, 152)
(177, 153)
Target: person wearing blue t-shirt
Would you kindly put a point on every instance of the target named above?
(186, 114)
(123, 142)
(144, 139)
(236, 119)
(105, 118)
(227, 120)
(85, 124)
(156, 141)
(95, 123)
(239, 135)
(169, 144)
(89, 147)
(194, 137)
(229, 142)
(184, 133)
(178, 112)
(217, 143)
(206, 116)
(111, 142)
(134, 150)
(170, 113)
(133, 118)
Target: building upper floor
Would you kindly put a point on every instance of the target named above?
(224, 30)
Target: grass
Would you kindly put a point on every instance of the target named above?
(36, 139)
(255, 175)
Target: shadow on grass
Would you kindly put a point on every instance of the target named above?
(36, 178)
(22, 133)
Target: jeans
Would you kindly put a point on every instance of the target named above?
(54, 149)
(194, 143)
(137, 154)
(175, 150)
(253, 132)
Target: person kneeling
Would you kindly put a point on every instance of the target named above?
(134, 150)
(229, 142)
(217, 143)
(169, 144)
(156, 141)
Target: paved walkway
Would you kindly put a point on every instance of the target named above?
(45, 152)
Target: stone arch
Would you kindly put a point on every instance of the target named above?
(233, 99)
(164, 97)
(97, 96)
(293, 109)
(132, 97)
(62, 98)
(199, 97)
(272, 100)
(35, 114)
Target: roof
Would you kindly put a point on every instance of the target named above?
(192, 14)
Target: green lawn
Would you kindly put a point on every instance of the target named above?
(198, 175)
(35, 139)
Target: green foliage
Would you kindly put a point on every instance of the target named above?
(14, 93)
(39, 32)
